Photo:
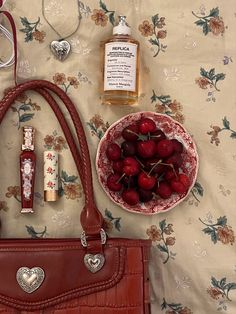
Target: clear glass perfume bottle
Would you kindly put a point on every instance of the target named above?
(120, 66)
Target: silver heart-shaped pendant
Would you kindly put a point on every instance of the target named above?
(94, 262)
(30, 279)
(60, 49)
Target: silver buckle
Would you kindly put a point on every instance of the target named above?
(84, 240)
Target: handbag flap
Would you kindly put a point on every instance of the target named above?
(62, 274)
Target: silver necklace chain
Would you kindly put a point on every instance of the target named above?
(61, 37)
(61, 48)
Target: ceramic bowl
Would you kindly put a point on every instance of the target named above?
(172, 129)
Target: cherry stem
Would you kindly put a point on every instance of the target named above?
(144, 172)
(140, 136)
(155, 136)
(157, 163)
(172, 166)
(120, 178)
(130, 131)
(141, 164)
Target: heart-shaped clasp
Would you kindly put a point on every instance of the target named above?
(30, 279)
(94, 262)
(60, 49)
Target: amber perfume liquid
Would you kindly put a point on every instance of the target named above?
(120, 66)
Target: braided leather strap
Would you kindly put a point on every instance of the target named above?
(91, 218)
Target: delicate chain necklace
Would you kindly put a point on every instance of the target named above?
(61, 47)
(9, 36)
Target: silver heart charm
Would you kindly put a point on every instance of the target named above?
(94, 262)
(30, 279)
(60, 49)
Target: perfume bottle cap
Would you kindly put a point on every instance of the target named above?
(122, 28)
(28, 138)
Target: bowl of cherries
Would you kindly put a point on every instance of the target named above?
(147, 162)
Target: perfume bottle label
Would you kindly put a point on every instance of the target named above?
(120, 66)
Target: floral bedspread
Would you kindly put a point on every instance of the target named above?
(188, 57)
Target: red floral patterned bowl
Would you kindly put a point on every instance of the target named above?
(172, 129)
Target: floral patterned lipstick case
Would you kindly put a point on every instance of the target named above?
(50, 176)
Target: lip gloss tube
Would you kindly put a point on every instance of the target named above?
(27, 170)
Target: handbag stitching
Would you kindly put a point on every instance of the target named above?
(135, 243)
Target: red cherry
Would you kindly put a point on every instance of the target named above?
(164, 148)
(130, 196)
(130, 133)
(178, 147)
(112, 182)
(129, 181)
(145, 195)
(145, 181)
(164, 190)
(183, 178)
(117, 166)
(128, 148)
(113, 151)
(146, 149)
(179, 186)
(176, 160)
(146, 126)
(155, 165)
(169, 175)
(131, 166)
(158, 135)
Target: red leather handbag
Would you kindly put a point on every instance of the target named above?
(83, 276)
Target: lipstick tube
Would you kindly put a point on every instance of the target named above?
(50, 176)
(27, 170)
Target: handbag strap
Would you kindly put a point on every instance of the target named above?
(91, 219)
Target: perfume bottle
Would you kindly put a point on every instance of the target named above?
(120, 66)
(27, 170)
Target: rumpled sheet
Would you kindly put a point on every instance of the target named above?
(188, 72)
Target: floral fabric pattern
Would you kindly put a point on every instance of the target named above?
(155, 31)
(3, 206)
(220, 291)
(31, 31)
(167, 106)
(216, 130)
(187, 71)
(36, 234)
(162, 235)
(101, 16)
(196, 193)
(175, 308)
(97, 126)
(211, 23)
(23, 107)
(55, 142)
(111, 222)
(65, 82)
(219, 231)
(70, 186)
